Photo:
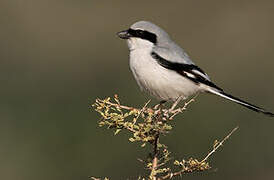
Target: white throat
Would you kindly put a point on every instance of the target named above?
(137, 43)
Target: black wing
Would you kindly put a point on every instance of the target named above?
(198, 76)
(190, 71)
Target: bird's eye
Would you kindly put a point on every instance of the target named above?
(140, 32)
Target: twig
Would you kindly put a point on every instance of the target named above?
(141, 111)
(94, 178)
(120, 106)
(174, 112)
(114, 115)
(216, 146)
(179, 110)
(184, 170)
(155, 159)
(175, 103)
(170, 175)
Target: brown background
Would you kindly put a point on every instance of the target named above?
(54, 55)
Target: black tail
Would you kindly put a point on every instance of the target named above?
(241, 102)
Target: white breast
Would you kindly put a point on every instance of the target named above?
(158, 81)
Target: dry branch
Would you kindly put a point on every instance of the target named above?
(147, 125)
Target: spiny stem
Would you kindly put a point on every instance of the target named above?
(219, 144)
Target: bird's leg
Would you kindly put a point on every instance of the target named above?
(160, 105)
(159, 108)
(175, 103)
(180, 109)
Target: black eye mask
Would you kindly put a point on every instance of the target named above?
(143, 35)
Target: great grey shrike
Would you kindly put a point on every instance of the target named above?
(164, 70)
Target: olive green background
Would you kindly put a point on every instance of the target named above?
(55, 55)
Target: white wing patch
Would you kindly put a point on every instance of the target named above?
(190, 75)
(204, 75)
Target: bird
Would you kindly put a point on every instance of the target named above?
(164, 70)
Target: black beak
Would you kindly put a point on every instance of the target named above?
(123, 34)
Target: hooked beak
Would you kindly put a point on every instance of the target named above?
(123, 34)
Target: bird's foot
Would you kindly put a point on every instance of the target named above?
(175, 103)
(160, 105)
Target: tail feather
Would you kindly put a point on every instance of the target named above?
(241, 102)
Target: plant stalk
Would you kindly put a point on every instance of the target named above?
(155, 158)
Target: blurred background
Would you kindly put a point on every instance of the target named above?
(55, 55)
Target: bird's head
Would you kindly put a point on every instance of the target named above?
(144, 34)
